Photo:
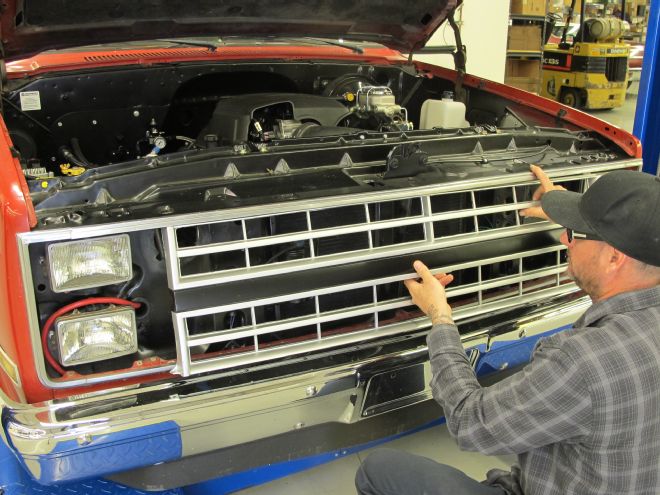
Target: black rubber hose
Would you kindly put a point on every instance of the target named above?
(77, 151)
(71, 158)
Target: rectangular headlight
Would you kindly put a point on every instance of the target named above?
(90, 263)
(97, 335)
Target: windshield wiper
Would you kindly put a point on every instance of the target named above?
(353, 48)
(205, 44)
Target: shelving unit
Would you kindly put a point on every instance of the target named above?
(525, 44)
(521, 20)
(637, 13)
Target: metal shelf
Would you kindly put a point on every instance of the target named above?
(523, 17)
(529, 54)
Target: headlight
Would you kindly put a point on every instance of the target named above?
(90, 263)
(87, 337)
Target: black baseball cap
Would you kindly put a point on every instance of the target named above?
(622, 208)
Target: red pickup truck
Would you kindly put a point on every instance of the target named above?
(208, 211)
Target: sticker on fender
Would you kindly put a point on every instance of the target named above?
(30, 100)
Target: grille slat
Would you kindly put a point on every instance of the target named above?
(320, 234)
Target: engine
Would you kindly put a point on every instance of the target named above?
(260, 118)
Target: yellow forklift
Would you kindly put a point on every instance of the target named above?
(591, 70)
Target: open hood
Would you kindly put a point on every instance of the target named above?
(30, 26)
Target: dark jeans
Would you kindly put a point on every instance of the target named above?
(393, 472)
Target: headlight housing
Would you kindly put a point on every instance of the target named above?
(90, 263)
(97, 335)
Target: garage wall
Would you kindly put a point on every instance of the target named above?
(484, 27)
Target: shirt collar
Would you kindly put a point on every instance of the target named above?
(621, 303)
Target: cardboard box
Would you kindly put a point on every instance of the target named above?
(529, 69)
(523, 74)
(578, 5)
(524, 37)
(522, 83)
(528, 7)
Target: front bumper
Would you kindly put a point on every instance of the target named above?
(163, 424)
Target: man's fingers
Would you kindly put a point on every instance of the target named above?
(423, 271)
(538, 192)
(445, 279)
(533, 211)
(546, 183)
(426, 276)
(543, 178)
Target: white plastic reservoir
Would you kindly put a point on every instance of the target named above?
(445, 113)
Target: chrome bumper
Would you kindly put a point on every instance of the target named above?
(96, 435)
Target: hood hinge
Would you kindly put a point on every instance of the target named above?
(3, 81)
(3, 66)
(460, 59)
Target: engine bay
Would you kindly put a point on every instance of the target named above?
(123, 115)
(286, 130)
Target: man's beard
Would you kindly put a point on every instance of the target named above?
(583, 281)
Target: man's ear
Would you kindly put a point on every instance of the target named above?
(616, 259)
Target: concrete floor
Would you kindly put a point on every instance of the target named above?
(336, 477)
(623, 116)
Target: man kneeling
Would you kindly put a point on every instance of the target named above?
(583, 415)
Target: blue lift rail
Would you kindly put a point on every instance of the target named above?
(647, 116)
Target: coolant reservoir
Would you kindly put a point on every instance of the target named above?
(445, 113)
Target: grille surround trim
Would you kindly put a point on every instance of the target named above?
(24, 240)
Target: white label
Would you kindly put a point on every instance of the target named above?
(30, 100)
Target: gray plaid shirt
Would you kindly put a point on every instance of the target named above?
(583, 415)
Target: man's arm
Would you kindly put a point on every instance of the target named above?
(544, 403)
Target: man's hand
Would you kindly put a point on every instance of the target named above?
(546, 185)
(429, 294)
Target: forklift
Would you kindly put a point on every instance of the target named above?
(591, 70)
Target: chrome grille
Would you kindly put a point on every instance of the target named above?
(332, 235)
(428, 223)
(473, 298)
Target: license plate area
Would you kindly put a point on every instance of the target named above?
(394, 389)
